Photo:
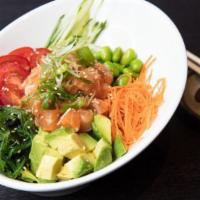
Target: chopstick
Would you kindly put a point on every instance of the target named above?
(193, 62)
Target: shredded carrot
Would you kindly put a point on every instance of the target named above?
(135, 106)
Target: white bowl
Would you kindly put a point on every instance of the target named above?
(131, 23)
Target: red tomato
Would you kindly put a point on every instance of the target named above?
(11, 95)
(11, 78)
(22, 62)
(26, 52)
(39, 53)
(14, 68)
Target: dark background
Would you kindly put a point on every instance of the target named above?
(169, 169)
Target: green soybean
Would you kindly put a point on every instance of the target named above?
(119, 66)
(113, 68)
(136, 65)
(128, 56)
(97, 55)
(106, 54)
(127, 71)
(123, 79)
(117, 54)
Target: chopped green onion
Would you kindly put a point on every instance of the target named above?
(85, 56)
(77, 104)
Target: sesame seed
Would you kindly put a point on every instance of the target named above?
(5, 89)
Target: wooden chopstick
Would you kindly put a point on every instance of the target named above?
(194, 67)
(193, 62)
(193, 57)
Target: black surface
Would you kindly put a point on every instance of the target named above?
(169, 169)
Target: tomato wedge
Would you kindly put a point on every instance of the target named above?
(11, 95)
(11, 78)
(23, 62)
(14, 68)
(39, 53)
(33, 56)
(25, 52)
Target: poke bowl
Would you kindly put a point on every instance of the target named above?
(92, 50)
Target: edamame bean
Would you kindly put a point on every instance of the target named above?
(128, 56)
(97, 55)
(106, 54)
(123, 79)
(113, 68)
(119, 66)
(136, 65)
(117, 54)
(127, 71)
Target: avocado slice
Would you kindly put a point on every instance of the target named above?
(69, 145)
(103, 154)
(119, 147)
(101, 127)
(91, 158)
(89, 141)
(75, 168)
(29, 177)
(95, 131)
(57, 135)
(49, 166)
(38, 149)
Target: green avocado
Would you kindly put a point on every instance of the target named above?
(75, 168)
(101, 127)
(90, 157)
(89, 141)
(49, 166)
(54, 138)
(95, 131)
(29, 177)
(68, 145)
(119, 147)
(38, 149)
(103, 155)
